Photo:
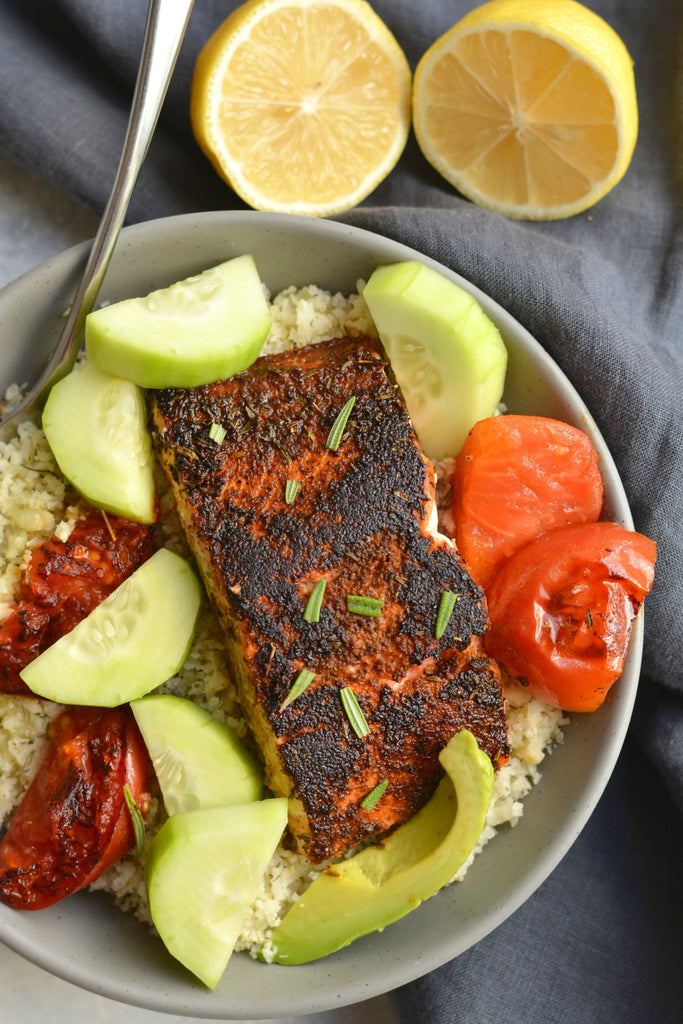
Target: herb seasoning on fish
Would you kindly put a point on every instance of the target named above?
(261, 558)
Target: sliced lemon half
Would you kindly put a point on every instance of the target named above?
(302, 107)
(528, 107)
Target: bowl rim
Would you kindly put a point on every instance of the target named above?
(391, 972)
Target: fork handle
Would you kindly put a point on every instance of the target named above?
(166, 25)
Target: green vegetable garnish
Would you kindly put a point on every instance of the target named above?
(446, 606)
(315, 600)
(217, 433)
(354, 712)
(301, 682)
(335, 435)
(358, 604)
(291, 490)
(137, 820)
(375, 795)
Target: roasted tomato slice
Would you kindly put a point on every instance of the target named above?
(516, 477)
(562, 610)
(64, 581)
(73, 822)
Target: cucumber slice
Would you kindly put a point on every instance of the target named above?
(194, 332)
(203, 871)
(199, 761)
(136, 639)
(447, 355)
(383, 883)
(96, 426)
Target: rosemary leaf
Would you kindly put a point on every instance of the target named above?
(358, 604)
(291, 490)
(315, 601)
(375, 795)
(443, 617)
(335, 435)
(354, 712)
(301, 682)
(137, 819)
(217, 433)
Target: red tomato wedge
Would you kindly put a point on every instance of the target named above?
(516, 477)
(73, 822)
(62, 584)
(562, 610)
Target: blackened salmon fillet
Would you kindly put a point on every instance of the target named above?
(364, 520)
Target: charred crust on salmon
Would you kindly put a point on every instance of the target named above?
(363, 519)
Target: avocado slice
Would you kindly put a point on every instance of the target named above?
(384, 882)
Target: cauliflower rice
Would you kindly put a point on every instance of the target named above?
(35, 504)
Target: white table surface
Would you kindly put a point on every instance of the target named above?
(37, 221)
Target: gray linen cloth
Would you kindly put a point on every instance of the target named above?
(600, 941)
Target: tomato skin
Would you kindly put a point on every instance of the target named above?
(516, 477)
(562, 610)
(73, 822)
(62, 584)
(138, 767)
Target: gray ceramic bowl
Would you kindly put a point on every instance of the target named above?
(86, 940)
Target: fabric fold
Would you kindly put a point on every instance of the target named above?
(602, 292)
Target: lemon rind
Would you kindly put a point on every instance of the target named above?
(211, 68)
(582, 33)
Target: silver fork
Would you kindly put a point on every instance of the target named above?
(166, 24)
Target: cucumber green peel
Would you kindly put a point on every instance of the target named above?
(96, 426)
(203, 871)
(447, 355)
(199, 761)
(205, 328)
(383, 883)
(133, 641)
